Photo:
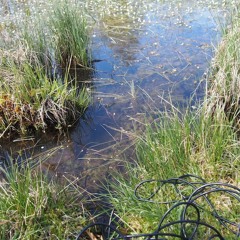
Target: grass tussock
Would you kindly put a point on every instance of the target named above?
(36, 89)
(33, 207)
(224, 82)
(28, 98)
(171, 147)
(71, 37)
(62, 39)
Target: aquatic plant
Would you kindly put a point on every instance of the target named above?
(34, 207)
(71, 38)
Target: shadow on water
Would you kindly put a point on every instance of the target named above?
(142, 51)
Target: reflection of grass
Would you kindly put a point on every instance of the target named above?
(203, 144)
(32, 207)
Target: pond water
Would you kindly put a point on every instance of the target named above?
(145, 53)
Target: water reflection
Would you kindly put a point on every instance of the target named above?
(143, 51)
(160, 47)
(148, 48)
(92, 131)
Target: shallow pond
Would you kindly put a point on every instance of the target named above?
(145, 53)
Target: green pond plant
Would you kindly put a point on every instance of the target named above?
(171, 147)
(30, 98)
(69, 27)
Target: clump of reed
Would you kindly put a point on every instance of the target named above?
(71, 37)
(34, 207)
(36, 88)
(224, 81)
(29, 98)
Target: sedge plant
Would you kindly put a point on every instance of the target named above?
(30, 98)
(171, 147)
(33, 206)
(71, 38)
(36, 88)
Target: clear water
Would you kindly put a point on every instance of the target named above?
(143, 52)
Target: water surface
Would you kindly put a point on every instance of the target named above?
(143, 52)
